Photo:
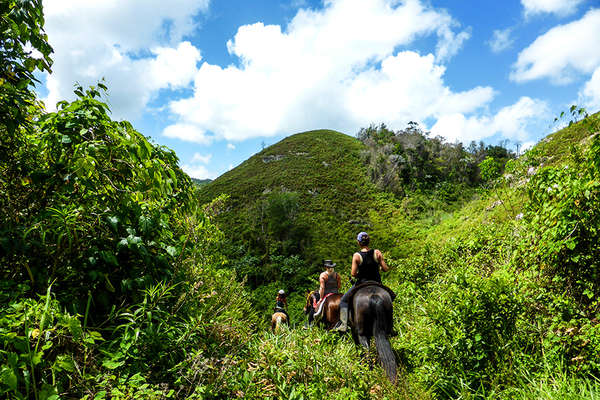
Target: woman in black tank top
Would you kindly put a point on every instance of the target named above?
(365, 267)
(368, 269)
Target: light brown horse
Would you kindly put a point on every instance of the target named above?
(330, 314)
(277, 320)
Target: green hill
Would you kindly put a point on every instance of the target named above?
(200, 182)
(324, 172)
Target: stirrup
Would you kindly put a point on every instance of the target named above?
(341, 327)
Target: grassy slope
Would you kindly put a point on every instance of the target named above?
(481, 237)
(324, 168)
(426, 252)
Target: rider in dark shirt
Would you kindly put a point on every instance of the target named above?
(329, 282)
(365, 267)
(281, 303)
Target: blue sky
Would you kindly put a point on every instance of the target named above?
(215, 80)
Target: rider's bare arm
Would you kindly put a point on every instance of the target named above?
(322, 281)
(379, 257)
(356, 260)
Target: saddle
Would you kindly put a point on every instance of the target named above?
(318, 307)
(279, 309)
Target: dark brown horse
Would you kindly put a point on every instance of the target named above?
(372, 317)
(330, 314)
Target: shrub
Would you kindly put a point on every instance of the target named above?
(473, 322)
(96, 208)
(562, 221)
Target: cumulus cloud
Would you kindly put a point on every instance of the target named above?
(450, 43)
(557, 7)
(197, 167)
(501, 40)
(511, 122)
(203, 159)
(230, 146)
(135, 45)
(198, 171)
(590, 94)
(562, 52)
(340, 67)
(526, 146)
(188, 133)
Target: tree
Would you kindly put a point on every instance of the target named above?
(21, 24)
(489, 169)
(98, 208)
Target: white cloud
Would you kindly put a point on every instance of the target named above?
(341, 67)
(198, 171)
(590, 94)
(407, 86)
(230, 146)
(501, 40)
(202, 159)
(511, 122)
(450, 43)
(558, 7)
(526, 146)
(562, 52)
(188, 133)
(136, 45)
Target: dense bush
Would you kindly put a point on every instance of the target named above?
(474, 322)
(97, 209)
(562, 224)
(305, 365)
(403, 161)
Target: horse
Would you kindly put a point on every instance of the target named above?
(277, 320)
(372, 317)
(330, 313)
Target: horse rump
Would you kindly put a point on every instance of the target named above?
(277, 320)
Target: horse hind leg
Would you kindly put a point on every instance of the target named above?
(365, 342)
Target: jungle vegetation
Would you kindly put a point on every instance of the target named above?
(122, 279)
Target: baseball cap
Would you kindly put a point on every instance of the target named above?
(362, 237)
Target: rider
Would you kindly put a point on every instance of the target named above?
(365, 267)
(329, 282)
(281, 303)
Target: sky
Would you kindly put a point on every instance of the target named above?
(216, 81)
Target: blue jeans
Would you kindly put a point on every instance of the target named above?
(344, 299)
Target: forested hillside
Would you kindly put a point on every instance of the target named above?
(122, 279)
(303, 200)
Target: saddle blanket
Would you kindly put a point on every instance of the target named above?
(319, 305)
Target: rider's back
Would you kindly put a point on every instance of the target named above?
(368, 269)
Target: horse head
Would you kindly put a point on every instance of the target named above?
(309, 301)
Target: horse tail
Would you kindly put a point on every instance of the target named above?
(380, 329)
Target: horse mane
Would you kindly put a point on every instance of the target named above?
(309, 297)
